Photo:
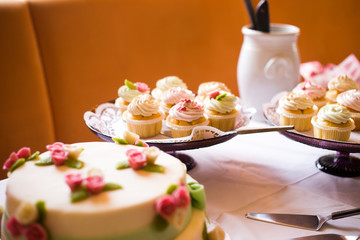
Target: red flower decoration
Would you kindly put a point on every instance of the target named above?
(10, 161)
(182, 197)
(165, 206)
(55, 146)
(59, 156)
(95, 184)
(214, 94)
(136, 158)
(73, 180)
(142, 87)
(24, 152)
(35, 232)
(14, 227)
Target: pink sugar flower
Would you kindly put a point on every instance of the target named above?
(182, 197)
(59, 156)
(136, 159)
(142, 87)
(35, 232)
(55, 146)
(165, 206)
(214, 94)
(10, 161)
(14, 227)
(95, 184)
(73, 180)
(24, 152)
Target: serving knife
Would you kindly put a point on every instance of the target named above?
(327, 237)
(311, 222)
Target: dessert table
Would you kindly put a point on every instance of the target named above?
(267, 172)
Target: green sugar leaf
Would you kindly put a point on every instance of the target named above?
(120, 141)
(130, 85)
(79, 194)
(171, 188)
(17, 164)
(34, 156)
(122, 165)
(140, 144)
(74, 163)
(111, 186)
(159, 224)
(44, 162)
(151, 167)
(221, 96)
(40, 206)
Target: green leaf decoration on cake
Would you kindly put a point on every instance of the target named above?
(34, 156)
(17, 164)
(44, 162)
(171, 188)
(79, 194)
(130, 84)
(151, 167)
(111, 186)
(197, 193)
(159, 223)
(40, 206)
(140, 144)
(221, 96)
(74, 163)
(120, 141)
(123, 165)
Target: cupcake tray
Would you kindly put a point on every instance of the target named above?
(341, 163)
(105, 122)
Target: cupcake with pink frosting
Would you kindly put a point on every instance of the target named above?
(184, 117)
(314, 91)
(351, 100)
(173, 96)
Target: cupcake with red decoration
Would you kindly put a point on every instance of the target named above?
(184, 117)
(220, 109)
(208, 87)
(128, 92)
(351, 100)
(172, 96)
(314, 91)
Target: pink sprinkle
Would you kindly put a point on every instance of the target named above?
(35, 232)
(24, 152)
(185, 100)
(73, 180)
(182, 197)
(142, 87)
(165, 206)
(14, 227)
(95, 184)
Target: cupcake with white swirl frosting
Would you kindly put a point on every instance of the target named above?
(220, 109)
(184, 117)
(143, 116)
(333, 122)
(296, 109)
(340, 84)
(165, 84)
(173, 96)
(351, 100)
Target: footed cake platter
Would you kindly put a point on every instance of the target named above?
(339, 164)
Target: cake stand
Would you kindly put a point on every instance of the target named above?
(339, 164)
(105, 122)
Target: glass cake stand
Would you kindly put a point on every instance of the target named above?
(339, 164)
(105, 122)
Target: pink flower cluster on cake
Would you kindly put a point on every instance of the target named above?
(24, 152)
(94, 184)
(58, 153)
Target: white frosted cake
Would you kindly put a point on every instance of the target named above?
(100, 190)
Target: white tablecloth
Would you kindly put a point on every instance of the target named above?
(267, 172)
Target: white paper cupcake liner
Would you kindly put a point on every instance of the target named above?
(346, 129)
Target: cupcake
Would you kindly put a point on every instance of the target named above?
(351, 100)
(337, 85)
(166, 83)
(316, 92)
(333, 122)
(128, 92)
(184, 116)
(143, 116)
(172, 96)
(208, 87)
(296, 109)
(220, 109)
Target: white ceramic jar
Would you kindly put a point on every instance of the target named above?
(268, 64)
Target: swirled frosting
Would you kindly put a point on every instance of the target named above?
(295, 101)
(334, 113)
(350, 99)
(342, 83)
(313, 90)
(208, 87)
(175, 94)
(186, 110)
(169, 82)
(128, 94)
(144, 105)
(222, 105)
